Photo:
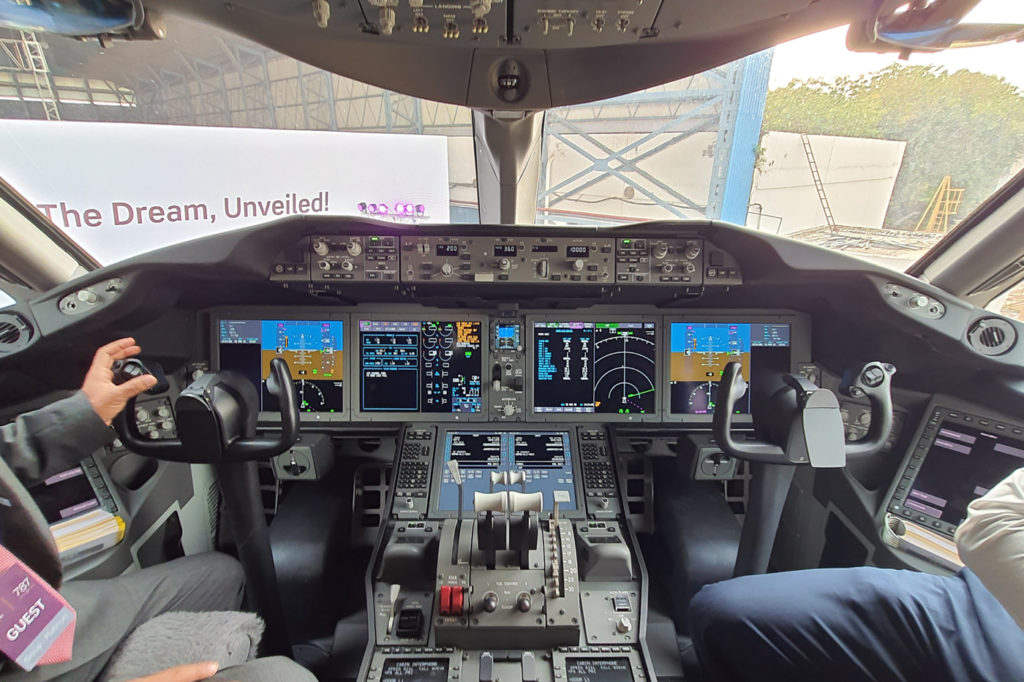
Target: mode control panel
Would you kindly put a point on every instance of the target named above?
(361, 258)
(584, 260)
(659, 261)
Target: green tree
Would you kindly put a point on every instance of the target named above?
(964, 124)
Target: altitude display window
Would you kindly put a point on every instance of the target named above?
(417, 366)
(701, 350)
(595, 367)
(314, 350)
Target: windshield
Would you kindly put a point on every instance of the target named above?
(140, 145)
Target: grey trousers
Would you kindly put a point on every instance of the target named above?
(109, 610)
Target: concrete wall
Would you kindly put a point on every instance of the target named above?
(858, 174)
(858, 177)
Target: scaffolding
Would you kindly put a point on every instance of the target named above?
(28, 74)
(944, 205)
(212, 78)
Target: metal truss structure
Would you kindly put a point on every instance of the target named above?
(216, 79)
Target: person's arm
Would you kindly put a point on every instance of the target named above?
(991, 542)
(57, 437)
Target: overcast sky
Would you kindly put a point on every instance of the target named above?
(824, 55)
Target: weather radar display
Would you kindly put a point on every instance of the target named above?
(595, 367)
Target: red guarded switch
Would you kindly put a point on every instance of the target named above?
(446, 600)
(457, 593)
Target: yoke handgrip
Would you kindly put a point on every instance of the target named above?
(281, 386)
(873, 380)
(730, 389)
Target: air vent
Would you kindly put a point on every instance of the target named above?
(15, 333)
(992, 336)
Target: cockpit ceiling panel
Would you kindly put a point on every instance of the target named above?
(519, 54)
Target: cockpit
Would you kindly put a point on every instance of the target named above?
(486, 334)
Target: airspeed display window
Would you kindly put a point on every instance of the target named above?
(701, 350)
(595, 367)
(413, 366)
(314, 350)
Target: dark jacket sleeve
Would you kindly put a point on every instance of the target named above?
(53, 438)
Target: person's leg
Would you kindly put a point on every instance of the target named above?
(273, 669)
(108, 610)
(854, 624)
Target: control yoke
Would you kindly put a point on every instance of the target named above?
(798, 424)
(807, 426)
(216, 417)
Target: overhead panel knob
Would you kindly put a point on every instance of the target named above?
(578, 265)
(490, 602)
(523, 602)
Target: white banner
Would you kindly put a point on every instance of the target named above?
(120, 189)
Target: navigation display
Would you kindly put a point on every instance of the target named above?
(701, 350)
(595, 367)
(962, 464)
(544, 458)
(414, 366)
(314, 350)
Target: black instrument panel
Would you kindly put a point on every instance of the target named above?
(409, 363)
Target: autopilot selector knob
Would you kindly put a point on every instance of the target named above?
(347, 266)
(321, 247)
(659, 250)
(542, 268)
(504, 264)
(692, 251)
(354, 247)
(447, 269)
(578, 265)
(667, 267)
(523, 602)
(490, 602)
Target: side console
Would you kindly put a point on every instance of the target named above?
(519, 564)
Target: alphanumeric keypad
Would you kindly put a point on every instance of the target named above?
(598, 475)
(412, 474)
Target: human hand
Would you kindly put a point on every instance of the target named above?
(106, 397)
(192, 672)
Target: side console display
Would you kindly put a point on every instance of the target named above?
(420, 366)
(957, 459)
(314, 350)
(699, 352)
(494, 461)
(595, 367)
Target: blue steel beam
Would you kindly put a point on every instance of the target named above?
(736, 149)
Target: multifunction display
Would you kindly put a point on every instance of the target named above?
(595, 367)
(699, 352)
(534, 461)
(420, 366)
(314, 350)
(962, 464)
